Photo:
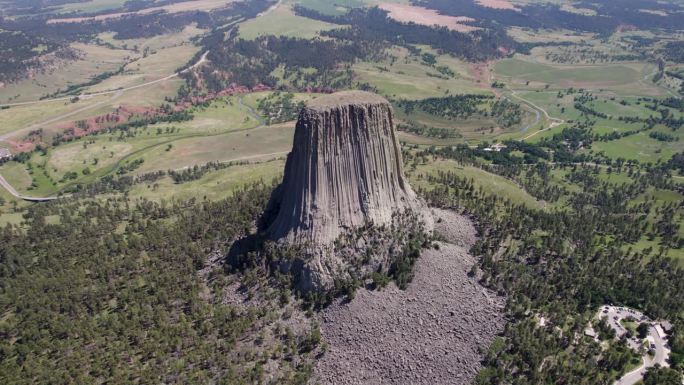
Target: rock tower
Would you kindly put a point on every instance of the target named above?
(344, 171)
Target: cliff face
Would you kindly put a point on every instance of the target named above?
(344, 171)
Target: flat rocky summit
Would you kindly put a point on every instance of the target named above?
(345, 98)
(430, 333)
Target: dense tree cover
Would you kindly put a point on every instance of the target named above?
(20, 52)
(279, 107)
(662, 376)
(609, 15)
(196, 172)
(563, 264)
(123, 291)
(465, 106)
(251, 62)
(19, 36)
(674, 51)
(373, 24)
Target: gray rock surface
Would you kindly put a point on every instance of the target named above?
(430, 333)
(344, 171)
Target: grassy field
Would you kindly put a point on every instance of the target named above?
(154, 43)
(465, 130)
(574, 76)
(283, 22)
(94, 61)
(640, 147)
(214, 185)
(90, 6)
(255, 144)
(48, 115)
(407, 77)
(626, 78)
(490, 183)
(338, 7)
(223, 131)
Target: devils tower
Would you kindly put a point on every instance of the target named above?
(344, 172)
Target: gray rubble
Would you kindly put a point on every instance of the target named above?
(431, 333)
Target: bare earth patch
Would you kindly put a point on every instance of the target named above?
(186, 6)
(497, 4)
(419, 15)
(430, 333)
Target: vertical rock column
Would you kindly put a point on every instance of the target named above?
(345, 170)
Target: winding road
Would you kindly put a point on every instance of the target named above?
(115, 94)
(614, 315)
(110, 169)
(202, 59)
(553, 122)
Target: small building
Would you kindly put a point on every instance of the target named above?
(590, 332)
(660, 331)
(496, 147)
(5, 154)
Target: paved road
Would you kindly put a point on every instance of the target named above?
(614, 315)
(14, 192)
(553, 122)
(60, 117)
(115, 94)
(202, 59)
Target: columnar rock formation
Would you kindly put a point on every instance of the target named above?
(344, 171)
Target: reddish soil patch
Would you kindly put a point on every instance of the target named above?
(626, 28)
(419, 15)
(497, 4)
(483, 77)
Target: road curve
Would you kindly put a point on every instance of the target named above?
(16, 194)
(202, 59)
(5, 184)
(614, 315)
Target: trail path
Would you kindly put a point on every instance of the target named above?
(115, 94)
(553, 122)
(108, 92)
(249, 109)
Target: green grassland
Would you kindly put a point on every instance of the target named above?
(41, 115)
(154, 43)
(490, 183)
(473, 130)
(48, 115)
(640, 147)
(214, 185)
(331, 8)
(90, 6)
(226, 130)
(255, 144)
(407, 76)
(626, 78)
(94, 61)
(598, 75)
(282, 21)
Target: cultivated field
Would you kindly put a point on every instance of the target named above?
(419, 15)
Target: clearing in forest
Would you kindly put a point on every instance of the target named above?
(186, 6)
(419, 15)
